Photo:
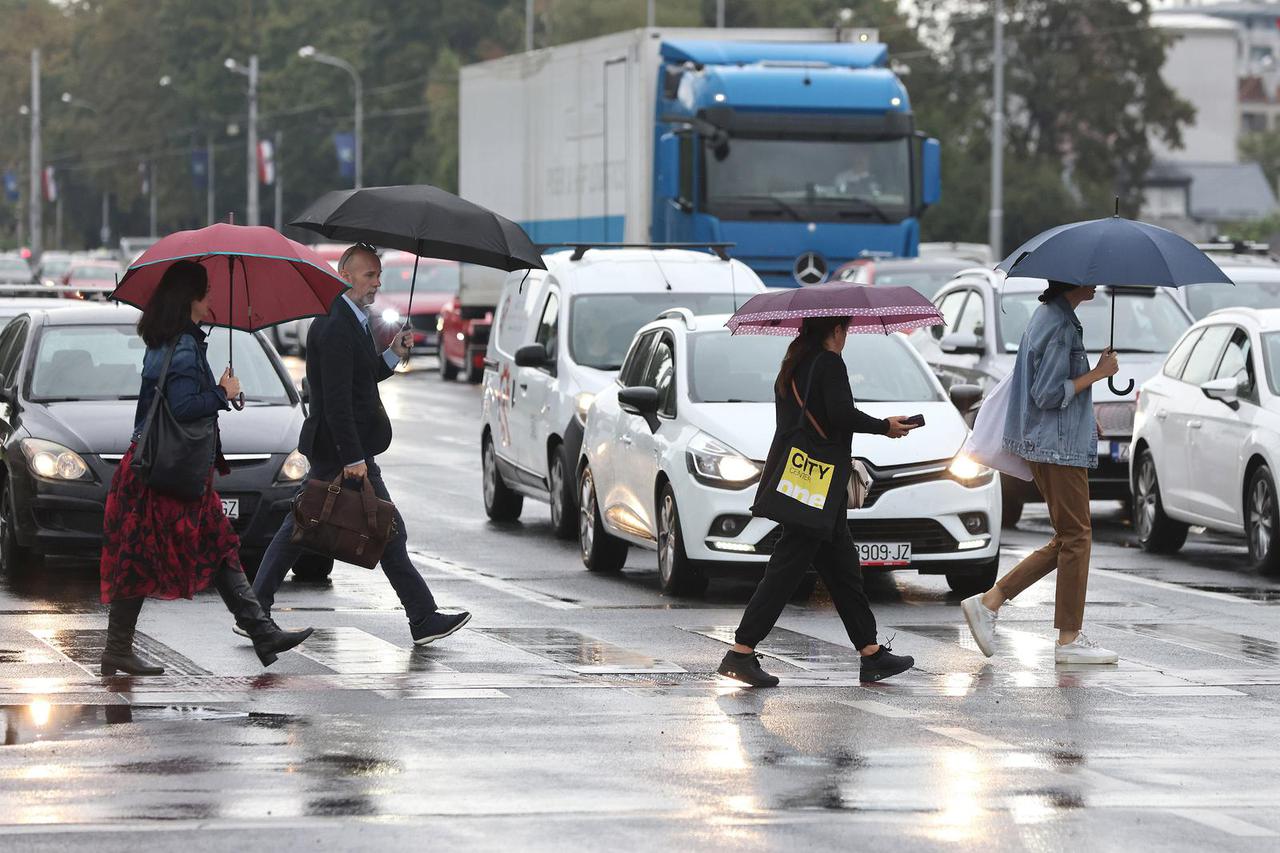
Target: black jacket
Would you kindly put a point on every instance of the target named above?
(346, 421)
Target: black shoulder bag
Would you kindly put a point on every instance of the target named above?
(805, 485)
(173, 457)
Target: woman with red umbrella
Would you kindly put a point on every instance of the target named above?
(156, 544)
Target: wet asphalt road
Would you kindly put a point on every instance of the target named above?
(581, 712)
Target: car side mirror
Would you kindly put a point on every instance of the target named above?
(965, 397)
(532, 355)
(961, 343)
(643, 401)
(1226, 390)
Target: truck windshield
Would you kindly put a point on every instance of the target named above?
(810, 179)
(1147, 321)
(602, 326)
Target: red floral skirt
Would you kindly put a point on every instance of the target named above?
(162, 547)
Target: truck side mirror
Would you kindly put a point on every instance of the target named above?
(532, 355)
(668, 162)
(930, 172)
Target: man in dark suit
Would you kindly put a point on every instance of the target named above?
(346, 428)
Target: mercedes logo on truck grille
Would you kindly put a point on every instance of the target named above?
(809, 268)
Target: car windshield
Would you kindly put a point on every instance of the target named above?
(54, 267)
(926, 282)
(433, 277)
(105, 363)
(1147, 320)
(93, 273)
(14, 268)
(728, 368)
(803, 180)
(1203, 299)
(603, 324)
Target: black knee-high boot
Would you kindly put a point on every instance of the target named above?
(117, 655)
(269, 639)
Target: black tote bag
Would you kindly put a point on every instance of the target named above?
(806, 484)
(174, 457)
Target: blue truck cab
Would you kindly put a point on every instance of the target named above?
(804, 155)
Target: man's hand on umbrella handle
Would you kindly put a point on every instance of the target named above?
(899, 426)
(229, 384)
(402, 343)
(1108, 364)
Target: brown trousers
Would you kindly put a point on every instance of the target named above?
(1066, 492)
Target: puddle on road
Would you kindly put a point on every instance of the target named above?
(43, 720)
(1260, 591)
(578, 652)
(1202, 638)
(351, 651)
(84, 646)
(792, 647)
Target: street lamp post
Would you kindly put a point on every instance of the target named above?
(309, 52)
(251, 162)
(995, 227)
(35, 202)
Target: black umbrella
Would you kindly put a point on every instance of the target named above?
(426, 221)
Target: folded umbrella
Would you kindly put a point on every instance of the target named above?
(873, 310)
(262, 277)
(1113, 252)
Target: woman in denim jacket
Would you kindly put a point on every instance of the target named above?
(159, 546)
(1050, 423)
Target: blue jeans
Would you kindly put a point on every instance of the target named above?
(412, 590)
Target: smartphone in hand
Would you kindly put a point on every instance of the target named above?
(916, 420)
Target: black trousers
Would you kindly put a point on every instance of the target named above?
(836, 562)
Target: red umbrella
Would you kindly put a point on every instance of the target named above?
(262, 277)
(874, 310)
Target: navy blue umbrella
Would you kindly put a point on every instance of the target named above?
(1113, 252)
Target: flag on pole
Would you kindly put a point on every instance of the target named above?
(50, 185)
(345, 146)
(145, 175)
(200, 168)
(11, 186)
(266, 162)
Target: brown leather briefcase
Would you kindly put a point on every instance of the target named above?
(352, 525)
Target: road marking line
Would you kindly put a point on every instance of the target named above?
(970, 737)
(1225, 823)
(1172, 587)
(880, 709)
(484, 579)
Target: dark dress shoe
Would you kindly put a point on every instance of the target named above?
(746, 668)
(437, 626)
(884, 664)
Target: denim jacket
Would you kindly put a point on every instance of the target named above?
(1047, 420)
(190, 388)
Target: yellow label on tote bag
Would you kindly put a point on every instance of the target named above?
(806, 479)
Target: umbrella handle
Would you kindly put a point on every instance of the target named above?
(1119, 392)
(237, 402)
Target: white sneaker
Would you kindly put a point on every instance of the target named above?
(1083, 650)
(982, 623)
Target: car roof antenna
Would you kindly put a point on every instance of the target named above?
(733, 286)
(661, 271)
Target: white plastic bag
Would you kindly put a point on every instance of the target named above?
(986, 443)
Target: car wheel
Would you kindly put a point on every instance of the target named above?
(974, 578)
(1010, 510)
(13, 557)
(313, 568)
(1157, 532)
(678, 574)
(448, 372)
(564, 517)
(600, 551)
(500, 502)
(1261, 522)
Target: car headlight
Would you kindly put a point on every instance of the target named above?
(714, 463)
(295, 467)
(390, 316)
(582, 404)
(969, 471)
(49, 460)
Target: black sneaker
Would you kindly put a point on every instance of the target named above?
(437, 626)
(884, 664)
(746, 668)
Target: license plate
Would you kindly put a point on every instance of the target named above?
(231, 507)
(1116, 451)
(885, 554)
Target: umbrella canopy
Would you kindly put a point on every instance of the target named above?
(1115, 252)
(426, 221)
(257, 276)
(874, 310)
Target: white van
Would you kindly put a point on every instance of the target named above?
(559, 337)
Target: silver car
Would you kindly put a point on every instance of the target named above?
(985, 318)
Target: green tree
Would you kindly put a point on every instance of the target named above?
(1263, 148)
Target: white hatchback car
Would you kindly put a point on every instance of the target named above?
(674, 448)
(560, 335)
(1206, 438)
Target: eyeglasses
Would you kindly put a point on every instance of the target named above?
(357, 247)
